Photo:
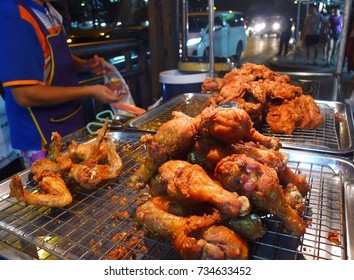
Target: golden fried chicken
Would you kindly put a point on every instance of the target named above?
(266, 96)
(231, 125)
(287, 176)
(300, 113)
(208, 153)
(55, 162)
(55, 192)
(189, 184)
(173, 139)
(193, 236)
(260, 184)
(89, 173)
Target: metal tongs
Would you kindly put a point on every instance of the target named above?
(114, 121)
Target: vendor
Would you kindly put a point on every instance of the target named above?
(39, 75)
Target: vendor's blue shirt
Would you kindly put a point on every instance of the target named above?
(22, 63)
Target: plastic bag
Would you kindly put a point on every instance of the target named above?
(298, 45)
(116, 78)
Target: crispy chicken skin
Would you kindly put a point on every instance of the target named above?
(174, 138)
(189, 184)
(90, 172)
(302, 112)
(193, 236)
(261, 185)
(55, 192)
(55, 162)
(209, 153)
(231, 125)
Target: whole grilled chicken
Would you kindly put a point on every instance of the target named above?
(260, 184)
(192, 236)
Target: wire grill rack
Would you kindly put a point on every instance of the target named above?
(99, 224)
(333, 136)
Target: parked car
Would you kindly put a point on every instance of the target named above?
(230, 38)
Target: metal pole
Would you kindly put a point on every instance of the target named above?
(184, 28)
(341, 51)
(298, 21)
(211, 38)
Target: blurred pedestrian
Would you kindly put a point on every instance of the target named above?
(285, 36)
(324, 36)
(311, 31)
(335, 24)
(349, 50)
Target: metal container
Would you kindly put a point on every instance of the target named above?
(100, 224)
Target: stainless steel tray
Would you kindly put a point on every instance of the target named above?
(99, 224)
(334, 136)
(189, 103)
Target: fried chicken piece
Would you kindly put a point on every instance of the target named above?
(287, 176)
(294, 198)
(55, 192)
(193, 237)
(211, 84)
(311, 110)
(301, 112)
(55, 162)
(261, 185)
(189, 184)
(269, 157)
(208, 153)
(283, 119)
(89, 173)
(231, 125)
(174, 138)
(267, 95)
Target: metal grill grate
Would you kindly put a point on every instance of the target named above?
(333, 136)
(99, 224)
(323, 138)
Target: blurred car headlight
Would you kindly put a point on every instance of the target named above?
(259, 27)
(276, 26)
(193, 41)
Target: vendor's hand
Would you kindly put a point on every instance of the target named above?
(99, 65)
(104, 94)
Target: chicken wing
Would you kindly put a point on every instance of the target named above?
(89, 173)
(55, 162)
(193, 237)
(189, 184)
(260, 183)
(55, 192)
(96, 150)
